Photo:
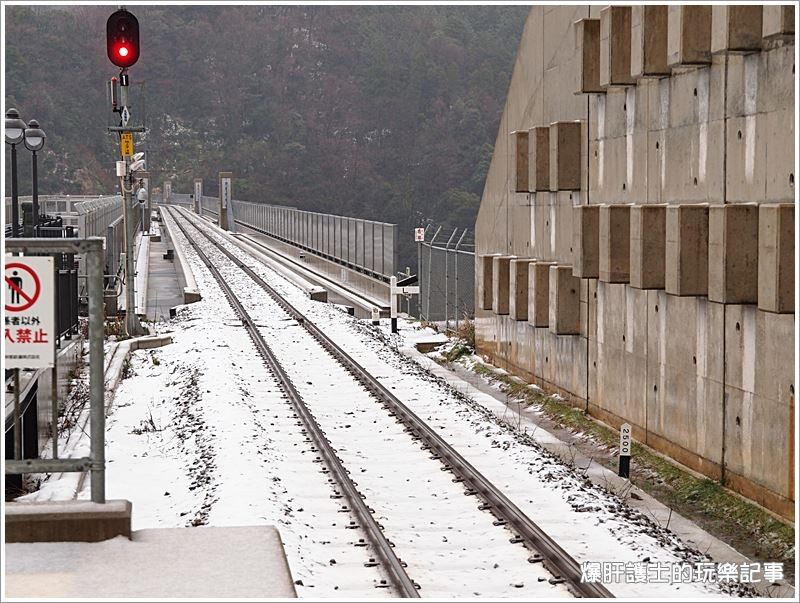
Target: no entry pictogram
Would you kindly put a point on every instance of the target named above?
(24, 287)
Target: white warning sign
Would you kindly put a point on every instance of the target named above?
(30, 328)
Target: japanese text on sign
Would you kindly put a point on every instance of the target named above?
(29, 322)
(126, 144)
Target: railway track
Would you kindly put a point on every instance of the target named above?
(390, 562)
(544, 549)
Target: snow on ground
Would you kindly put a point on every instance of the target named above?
(201, 435)
(588, 522)
(451, 547)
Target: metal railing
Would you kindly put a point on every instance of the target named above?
(92, 249)
(364, 245)
(446, 265)
(367, 246)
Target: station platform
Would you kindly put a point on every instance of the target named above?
(208, 562)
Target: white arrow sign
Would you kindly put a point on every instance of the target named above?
(126, 115)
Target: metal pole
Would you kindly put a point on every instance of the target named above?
(17, 419)
(132, 326)
(455, 295)
(14, 194)
(430, 268)
(447, 280)
(54, 382)
(35, 194)
(96, 387)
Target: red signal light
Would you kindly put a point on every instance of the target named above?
(122, 39)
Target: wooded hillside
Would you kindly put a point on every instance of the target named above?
(386, 113)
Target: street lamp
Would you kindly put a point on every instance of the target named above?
(14, 132)
(34, 141)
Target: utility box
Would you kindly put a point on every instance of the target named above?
(776, 257)
(587, 41)
(519, 171)
(518, 285)
(615, 240)
(733, 253)
(648, 245)
(500, 283)
(777, 21)
(539, 293)
(649, 41)
(686, 267)
(736, 27)
(565, 301)
(539, 159)
(689, 35)
(565, 155)
(586, 241)
(615, 46)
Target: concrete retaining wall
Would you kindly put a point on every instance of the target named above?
(641, 109)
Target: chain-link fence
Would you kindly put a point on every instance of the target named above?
(446, 266)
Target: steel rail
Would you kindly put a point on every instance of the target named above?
(560, 563)
(391, 563)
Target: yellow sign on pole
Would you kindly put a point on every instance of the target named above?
(126, 144)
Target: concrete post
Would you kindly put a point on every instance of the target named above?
(198, 196)
(148, 209)
(225, 197)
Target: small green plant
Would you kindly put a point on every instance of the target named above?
(127, 368)
(466, 331)
(115, 327)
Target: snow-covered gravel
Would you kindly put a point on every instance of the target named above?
(451, 547)
(591, 524)
(202, 435)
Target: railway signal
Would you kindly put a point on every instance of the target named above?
(122, 39)
(122, 47)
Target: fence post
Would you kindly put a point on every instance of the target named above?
(455, 295)
(447, 280)
(430, 269)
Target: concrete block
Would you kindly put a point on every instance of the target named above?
(539, 159)
(501, 265)
(686, 267)
(519, 288)
(69, 521)
(736, 28)
(565, 155)
(779, 154)
(615, 46)
(649, 41)
(776, 257)
(586, 241)
(587, 41)
(777, 22)
(565, 301)
(615, 239)
(485, 281)
(519, 161)
(539, 293)
(733, 253)
(648, 245)
(689, 35)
